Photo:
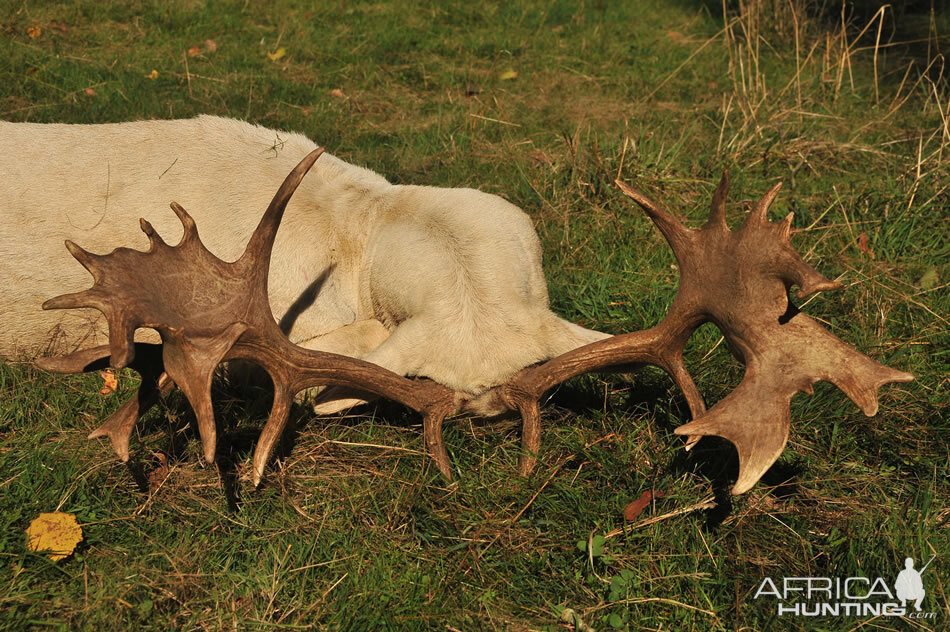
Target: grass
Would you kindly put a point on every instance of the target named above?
(354, 529)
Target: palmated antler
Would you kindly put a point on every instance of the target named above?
(740, 281)
(207, 311)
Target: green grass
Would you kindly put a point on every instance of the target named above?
(353, 528)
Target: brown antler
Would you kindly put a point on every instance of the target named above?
(207, 311)
(739, 281)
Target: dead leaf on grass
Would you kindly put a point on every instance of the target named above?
(56, 532)
(33, 31)
(508, 75)
(634, 509)
(152, 75)
(540, 156)
(277, 54)
(194, 51)
(863, 241)
(337, 93)
(111, 382)
(210, 46)
(89, 92)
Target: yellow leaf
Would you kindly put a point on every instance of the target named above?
(34, 31)
(508, 75)
(152, 75)
(58, 533)
(111, 382)
(277, 54)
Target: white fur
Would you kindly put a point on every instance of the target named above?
(442, 283)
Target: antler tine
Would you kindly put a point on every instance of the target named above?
(677, 235)
(261, 244)
(717, 210)
(84, 257)
(187, 222)
(759, 215)
(154, 239)
(794, 270)
(273, 429)
(86, 298)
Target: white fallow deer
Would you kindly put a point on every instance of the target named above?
(444, 283)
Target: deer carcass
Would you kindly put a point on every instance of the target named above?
(208, 311)
(436, 282)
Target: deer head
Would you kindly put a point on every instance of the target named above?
(208, 311)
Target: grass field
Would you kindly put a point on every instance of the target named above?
(545, 103)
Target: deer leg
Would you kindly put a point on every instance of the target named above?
(354, 340)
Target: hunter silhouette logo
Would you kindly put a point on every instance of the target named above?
(850, 596)
(909, 586)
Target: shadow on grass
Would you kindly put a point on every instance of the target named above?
(241, 406)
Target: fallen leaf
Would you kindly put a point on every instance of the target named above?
(194, 51)
(57, 532)
(152, 75)
(673, 35)
(336, 92)
(59, 26)
(111, 381)
(863, 245)
(277, 54)
(157, 476)
(34, 31)
(508, 75)
(89, 92)
(635, 508)
(210, 46)
(540, 156)
(929, 279)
